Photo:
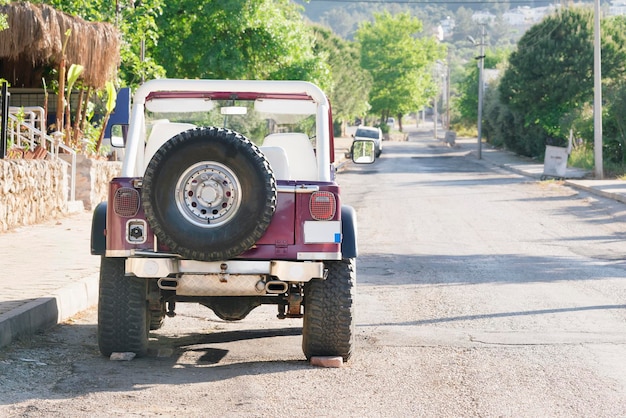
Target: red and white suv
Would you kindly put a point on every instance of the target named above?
(227, 198)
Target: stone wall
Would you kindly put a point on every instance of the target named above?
(31, 191)
(92, 180)
(35, 191)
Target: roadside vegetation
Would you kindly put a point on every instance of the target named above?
(383, 61)
(545, 90)
(386, 70)
(400, 64)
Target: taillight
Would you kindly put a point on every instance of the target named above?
(126, 202)
(322, 206)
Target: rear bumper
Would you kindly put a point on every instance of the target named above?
(289, 271)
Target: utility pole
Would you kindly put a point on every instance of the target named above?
(481, 67)
(435, 114)
(444, 78)
(597, 95)
(481, 88)
(448, 94)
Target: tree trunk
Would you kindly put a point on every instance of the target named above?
(101, 137)
(61, 97)
(61, 92)
(68, 120)
(78, 117)
(85, 107)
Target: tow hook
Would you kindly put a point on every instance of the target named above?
(293, 305)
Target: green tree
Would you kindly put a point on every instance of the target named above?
(464, 25)
(399, 62)
(467, 101)
(137, 24)
(4, 23)
(614, 90)
(140, 36)
(549, 81)
(350, 84)
(238, 39)
(552, 70)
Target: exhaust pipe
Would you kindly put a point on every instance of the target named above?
(276, 287)
(167, 284)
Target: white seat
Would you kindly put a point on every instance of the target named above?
(278, 160)
(160, 134)
(300, 154)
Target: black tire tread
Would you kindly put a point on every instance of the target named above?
(329, 323)
(122, 310)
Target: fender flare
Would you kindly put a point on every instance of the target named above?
(98, 229)
(349, 247)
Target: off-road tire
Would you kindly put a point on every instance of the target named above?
(156, 306)
(209, 194)
(328, 328)
(123, 313)
(156, 319)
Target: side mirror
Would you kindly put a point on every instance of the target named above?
(118, 135)
(363, 151)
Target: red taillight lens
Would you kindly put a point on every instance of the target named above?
(126, 202)
(323, 206)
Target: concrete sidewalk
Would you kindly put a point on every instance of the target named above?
(574, 177)
(48, 273)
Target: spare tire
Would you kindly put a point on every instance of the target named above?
(209, 194)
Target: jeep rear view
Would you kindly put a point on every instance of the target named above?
(227, 198)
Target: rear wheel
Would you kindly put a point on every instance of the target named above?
(123, 311)
(328, 328)
(156, 305)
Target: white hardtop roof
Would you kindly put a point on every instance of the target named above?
(231, 86)
(135, 145)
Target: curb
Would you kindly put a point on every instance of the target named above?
(575, 183)
(613, 196)
(45, 312)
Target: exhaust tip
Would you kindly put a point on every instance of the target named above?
(167, 284)
(276, 287)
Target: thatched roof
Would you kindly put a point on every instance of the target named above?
(34, 41)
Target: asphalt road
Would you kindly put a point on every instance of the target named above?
(480, 293)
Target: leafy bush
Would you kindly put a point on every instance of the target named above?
(582, 157)
(384, 127)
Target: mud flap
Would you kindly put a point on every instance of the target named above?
(348, 232)
(98, 228)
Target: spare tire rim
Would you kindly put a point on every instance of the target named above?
(208, 194)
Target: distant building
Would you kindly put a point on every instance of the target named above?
(447, 25)
(537, 14)
(515, 17)
(617, 8)
(524, 15)
(483, 16)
